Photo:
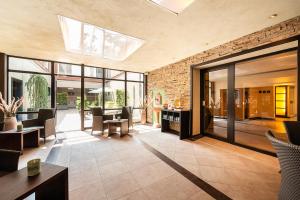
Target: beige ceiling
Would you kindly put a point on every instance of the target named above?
(30, 27)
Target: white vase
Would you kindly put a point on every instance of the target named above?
(10, 123)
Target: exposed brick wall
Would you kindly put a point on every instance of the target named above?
(174, 79)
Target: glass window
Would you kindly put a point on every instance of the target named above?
(67, 69)
(136, 115)
(93, 72)
(216, 106)
(114, 94)
(68, 92)
(135, 76)
(135, 93)
(22, 64)
(93, 93)
(34, 87)
(265, 96)
(114, 74)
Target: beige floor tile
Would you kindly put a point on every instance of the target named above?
(118, 186)
(113, 169)
(93, 191)
(138, 195)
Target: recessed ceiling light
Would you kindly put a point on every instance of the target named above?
(273, 16)
(175, 6)
(87, 39)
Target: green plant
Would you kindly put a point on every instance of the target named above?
(62, 98)
(120, 97)
(87, 103)
(37, 87)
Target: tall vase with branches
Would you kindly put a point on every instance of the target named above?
(37, 87)
(9, 110)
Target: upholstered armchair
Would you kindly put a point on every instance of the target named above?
(126, 114)
(289, 158)
(46, 120)
(9, 161)
(98, 119)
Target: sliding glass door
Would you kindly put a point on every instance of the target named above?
(243, 100)
(216, 102)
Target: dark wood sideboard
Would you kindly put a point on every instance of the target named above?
(177, 122)
(50, 184)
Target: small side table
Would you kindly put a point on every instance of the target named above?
(114, 124)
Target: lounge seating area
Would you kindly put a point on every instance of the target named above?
(150, 100)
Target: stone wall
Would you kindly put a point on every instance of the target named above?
(174, 79)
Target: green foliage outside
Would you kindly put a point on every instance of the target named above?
(120, 100)
(37, 87)
(87, 103)
(62, 98)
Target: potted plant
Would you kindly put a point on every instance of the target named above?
(144, 105)
(10, 110)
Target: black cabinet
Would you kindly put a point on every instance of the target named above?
(177, 122)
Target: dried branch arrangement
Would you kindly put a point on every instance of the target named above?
(10, 109)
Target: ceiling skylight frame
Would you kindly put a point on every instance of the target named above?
(87, 39)
(170, 5)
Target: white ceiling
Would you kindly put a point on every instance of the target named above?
(31, 28)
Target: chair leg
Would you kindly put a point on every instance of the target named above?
(44, 140)
(92, 132)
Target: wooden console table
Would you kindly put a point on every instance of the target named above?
(16, 140)
(51, 183)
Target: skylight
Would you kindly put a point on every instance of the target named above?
(175, 6)
(87, 39)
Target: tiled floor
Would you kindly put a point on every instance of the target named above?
(122, 168)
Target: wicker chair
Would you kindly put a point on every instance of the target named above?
(289, 159)
(126, 114)
(293, 131)
(8, 161)
(98, 119)
(46, 119)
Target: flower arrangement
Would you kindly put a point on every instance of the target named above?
(10, 109)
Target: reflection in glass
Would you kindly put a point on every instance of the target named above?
(216, 103)
(23, 64)
(114, 74)
(67, 69)
(265, 97)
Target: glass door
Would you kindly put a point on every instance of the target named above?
(215, 103)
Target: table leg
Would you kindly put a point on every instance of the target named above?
(31, 139)
(124, 129)
(112, 128)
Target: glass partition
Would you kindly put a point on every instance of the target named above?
(216, 106)
(265, 96)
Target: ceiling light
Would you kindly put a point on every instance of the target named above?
(175, 6)
(273, 16)
(87, 39)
